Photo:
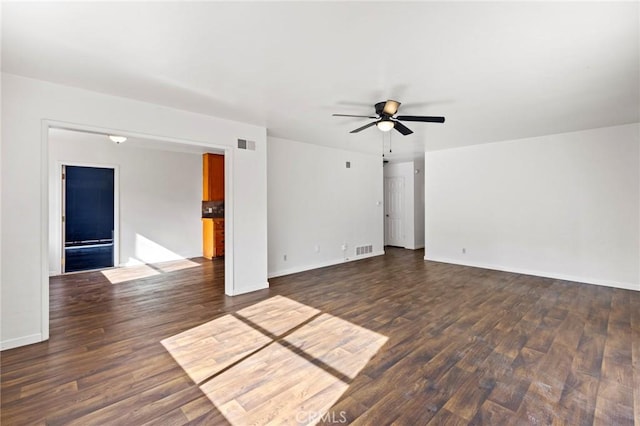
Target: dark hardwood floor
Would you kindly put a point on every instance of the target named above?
(390, 339)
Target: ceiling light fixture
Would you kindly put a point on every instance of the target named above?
(117, 139)
(385, 125)
(391, 107)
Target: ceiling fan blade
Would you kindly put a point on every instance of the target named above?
(391, 107)
(349, 115)
(363, 127)
(424, 119)
(402, 128)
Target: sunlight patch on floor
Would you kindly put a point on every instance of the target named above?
(129, 273)
(277, 361)
(278, 314)
(176, 265)
(339, 344)
(275, 385)
(207, 349)
(139, 271)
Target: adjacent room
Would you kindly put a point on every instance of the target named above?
(309, 213)
(153, 188)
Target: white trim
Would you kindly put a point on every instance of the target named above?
(259, 286)
(44, 234)
(44, 204)
(228, 222)
(116, 206)
(417, 247)
(20, 341)
(297, 269)
(564, 277)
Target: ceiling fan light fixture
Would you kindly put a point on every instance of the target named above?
(386, 119)
(385, 125)
(117, 139)
(391, 107)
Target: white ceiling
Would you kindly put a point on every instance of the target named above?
(497, 71)
(72, 135)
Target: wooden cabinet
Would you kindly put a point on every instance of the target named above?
(218, 237)
(212, 177)
(212, 238)
(212, 190)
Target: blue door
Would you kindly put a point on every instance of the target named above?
(88, 218)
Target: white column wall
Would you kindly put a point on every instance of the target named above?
(27, 106)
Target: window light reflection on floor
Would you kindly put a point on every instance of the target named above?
(278, 314)
(129, 273)
(139, 271)
(207, 349)
(273, 360)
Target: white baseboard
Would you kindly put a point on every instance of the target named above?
(252, 288)
(296, 269)
(20, 341)
(564, 277)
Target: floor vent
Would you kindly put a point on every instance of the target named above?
(364, 250)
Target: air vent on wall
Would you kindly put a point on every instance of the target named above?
(246, 144)
(364, 250)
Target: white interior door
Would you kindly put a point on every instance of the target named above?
(394, 211)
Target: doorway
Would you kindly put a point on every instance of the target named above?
(394, 211)
(88, 218)
(58, 149)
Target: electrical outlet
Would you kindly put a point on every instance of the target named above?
(344, 247)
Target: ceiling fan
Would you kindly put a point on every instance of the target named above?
(386, 119)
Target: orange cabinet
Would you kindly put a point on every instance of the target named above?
(212, 238)
(218, 237)
(212, 190)
(212, 177)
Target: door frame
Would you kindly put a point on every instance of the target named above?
(59, 197)
(45, 124)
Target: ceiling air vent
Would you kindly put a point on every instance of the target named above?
(246, 144)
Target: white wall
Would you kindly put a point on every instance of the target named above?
(413, 221)
(27, 105)
(564, 206)
(315, 202)
(160, 194)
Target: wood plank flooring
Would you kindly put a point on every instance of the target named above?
(385, 340)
